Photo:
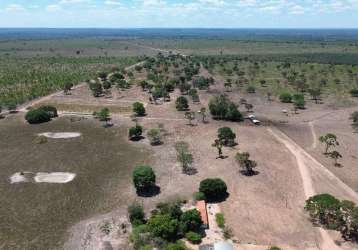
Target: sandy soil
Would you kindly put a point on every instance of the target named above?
(58, 177)
(41, 177)
(60, 135)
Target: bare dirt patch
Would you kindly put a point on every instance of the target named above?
(60, 135)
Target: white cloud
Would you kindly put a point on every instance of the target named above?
(112, 2)
(15, 7)
(213, 2)
(297, 10)
(73, 1)
(53, 8)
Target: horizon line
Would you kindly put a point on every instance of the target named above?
(222, 28)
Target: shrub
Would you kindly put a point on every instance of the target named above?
(143, 177)
(233, 114)
(286, 97)
(136, 214)
(96, 88)
(135, 132)
(107, 85)
(227, 232)
(51, 110)
(163, 226)
(190, 221)
(103, 115)
(299, 100)
(193, 237)
(154, 136)
(199, 196)
(11, 106)
(251, 89)
(37, 116)
(354, 92)
(171, 208)
(140, 236)
(227, 136)
(220, 220)
(213, 189)
(183, 155)
(138, 108)
(146, 247)
(181, 103)
(176, 246)
(274, 248)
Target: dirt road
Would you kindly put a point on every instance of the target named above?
(315, 176)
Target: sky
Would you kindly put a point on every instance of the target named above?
(179, 13)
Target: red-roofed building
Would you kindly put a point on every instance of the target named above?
(201, 207)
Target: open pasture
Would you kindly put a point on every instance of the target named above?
(38, 215)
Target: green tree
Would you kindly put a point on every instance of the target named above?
(214, 189)
(51, 110)
(102, 75)
(218, 144)
(136, 214)
(96, 89)
(315, 94)
(138, 109)
(227, 136)
(135, 132)
(184, 156)
(155, 136)
(274, 248)
(220, 220)
(67, 88)
(36, 116)
(324, 209)
(193, 237)
(163, 226)
(203, 114)
(190, 116)
(143, 178)
(104, 115)
(190, 220)
(251, 89)
(249, 107)
(285, 97)
(176, 246)
(181, 103)
(298, 101)
(245, 163)
(335, 155)
(354, 118)
(330, 140)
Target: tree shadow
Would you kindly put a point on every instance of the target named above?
(338, 165)
(108, 125)
(137, 138)
(231, 144)
(249, 173)
(157, 143)
(149, 192)
(192, 124)
(190, 171)
(220, 199)
(222, 157)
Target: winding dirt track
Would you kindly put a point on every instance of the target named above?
(314, 135)
(310, 169)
